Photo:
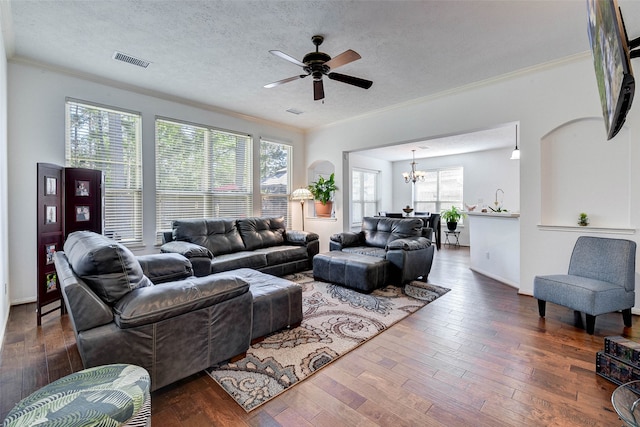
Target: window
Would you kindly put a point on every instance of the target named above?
(201, 172)
(275, 166)
(107, 139)
(441, 190)
(364, 194)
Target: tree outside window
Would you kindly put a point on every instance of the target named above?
(201, 172)
(275, 179)
(109, 140)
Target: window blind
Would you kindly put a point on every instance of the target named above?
(201, 172)
(108, 139)
(275, 179)
(442, 189)
(364, 194)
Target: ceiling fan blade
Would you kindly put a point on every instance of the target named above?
(287, 57)
(318, 90)
(342, 59)
(287, 80)
(356, 81)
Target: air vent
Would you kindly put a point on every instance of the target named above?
(294, 111)
(119, 56)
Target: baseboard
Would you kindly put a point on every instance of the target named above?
(4, 328)
(498, 278)
(23, 301)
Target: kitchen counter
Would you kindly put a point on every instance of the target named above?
(496, 214)
(494, 245)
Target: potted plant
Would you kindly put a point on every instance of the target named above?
(583, 219)
(452, 216)
(322, 191)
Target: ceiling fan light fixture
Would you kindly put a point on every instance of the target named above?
(318, 64)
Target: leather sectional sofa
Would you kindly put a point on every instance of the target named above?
(263, 244)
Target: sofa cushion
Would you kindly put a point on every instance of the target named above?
(261, 232)
(283, 254)
(366, 250)
(236, 260)
(109, 268)
(380, 231)
(219, 235)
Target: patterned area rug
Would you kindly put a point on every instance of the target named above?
(335, 321)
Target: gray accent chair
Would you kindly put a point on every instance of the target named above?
(601, 279)
(398, 240)
(150, 311)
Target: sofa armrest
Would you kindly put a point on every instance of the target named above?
(298, 237)
(165, 267)
(347, 238)
(187, 249)
(152, 304)
(199, 256)
(409, 244)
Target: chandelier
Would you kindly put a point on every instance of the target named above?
(414, 175)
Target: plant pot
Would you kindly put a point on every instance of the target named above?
(452, 225)
(324, 211)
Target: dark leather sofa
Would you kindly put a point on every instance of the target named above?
(149, 310)
(220, 244)
(398, 240)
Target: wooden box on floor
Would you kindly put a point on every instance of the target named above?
(620, 360)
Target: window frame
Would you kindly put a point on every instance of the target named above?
(132, 188)
(362, 202)
(439, 202)
(172, 199)
(282, 197)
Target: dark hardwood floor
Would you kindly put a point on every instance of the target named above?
(479, 355)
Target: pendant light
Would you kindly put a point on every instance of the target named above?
(515, 155)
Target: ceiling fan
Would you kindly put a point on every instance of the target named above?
(317, 64)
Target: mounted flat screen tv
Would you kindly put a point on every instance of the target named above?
(611, 58)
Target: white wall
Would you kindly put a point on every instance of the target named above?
(36, 100)
(4, 202)
(484, 173)
(541, 100)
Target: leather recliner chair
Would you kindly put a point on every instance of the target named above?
(150, 311)
(399, 240)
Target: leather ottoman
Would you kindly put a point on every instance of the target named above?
(277, 302)
(360, 272)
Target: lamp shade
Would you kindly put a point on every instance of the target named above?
(301, 194)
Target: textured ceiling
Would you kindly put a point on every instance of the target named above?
(217, 52)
